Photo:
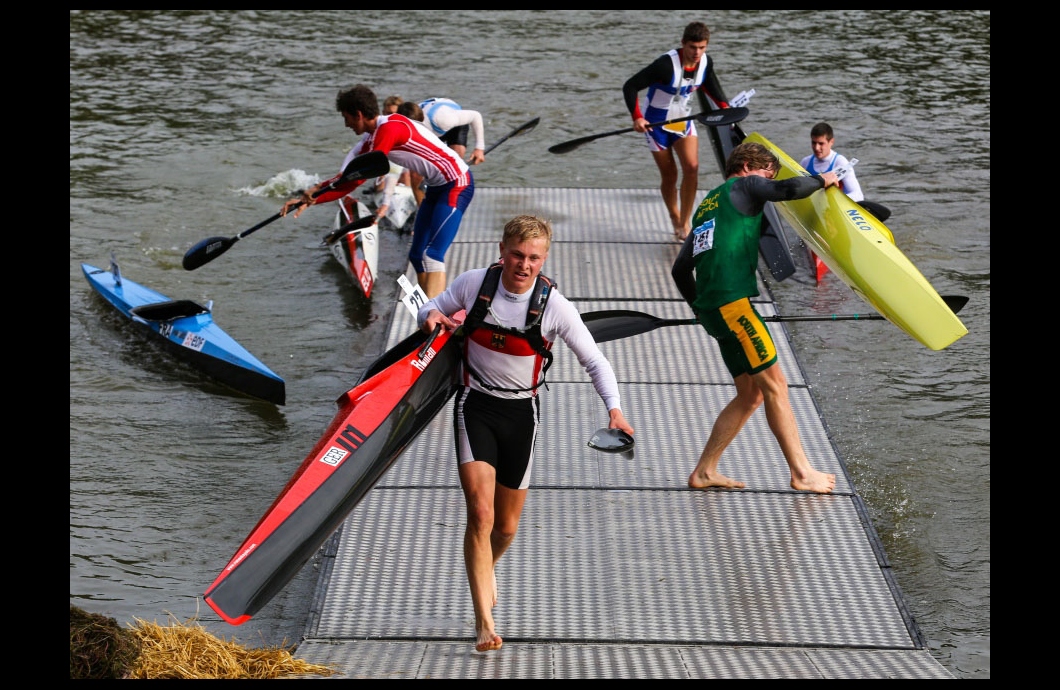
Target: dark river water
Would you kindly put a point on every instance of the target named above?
(188, 124)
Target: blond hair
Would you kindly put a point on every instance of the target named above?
(524, 228)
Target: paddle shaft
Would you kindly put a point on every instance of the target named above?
(776, 317)
(717, 118)
(614, 324)
(371, 164)
(521, 129)
(427, 344)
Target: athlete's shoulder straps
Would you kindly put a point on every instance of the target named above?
(543, 287)
(478, 312)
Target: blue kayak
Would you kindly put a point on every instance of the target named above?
(187, 330)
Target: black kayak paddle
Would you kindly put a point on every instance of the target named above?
(372, 164)
(521, 129)
(612, 324)
(717, 118)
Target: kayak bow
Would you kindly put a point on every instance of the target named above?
(395, 399)
(861, 251)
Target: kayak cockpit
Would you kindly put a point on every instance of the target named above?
(169, 311)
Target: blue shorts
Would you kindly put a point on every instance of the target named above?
(745, 343)
(661, 138)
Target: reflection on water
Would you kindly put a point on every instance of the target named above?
(175, 114)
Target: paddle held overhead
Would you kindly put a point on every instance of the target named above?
(371, 164)
(717, 118)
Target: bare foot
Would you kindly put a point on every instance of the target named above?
(494, 587)
(488, 640)
(702, 481)
(818, 482)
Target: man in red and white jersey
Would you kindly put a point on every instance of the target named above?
(412, 145)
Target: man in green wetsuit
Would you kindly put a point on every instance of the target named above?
(716, 273)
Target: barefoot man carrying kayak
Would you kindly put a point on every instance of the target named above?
(716, 273)
(514, 315)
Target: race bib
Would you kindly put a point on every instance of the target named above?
(414, 296)
(703, 237)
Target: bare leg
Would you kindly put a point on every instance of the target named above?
(417, 187)
(508, 508)
(726, 426)
(687, 150)
(433, 283)
(493, 513)
(478, 480)
(781, 419)
(668, 186)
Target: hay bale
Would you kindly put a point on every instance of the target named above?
(189, 651)
(99, 648)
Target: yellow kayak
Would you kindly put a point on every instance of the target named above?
(861, 251)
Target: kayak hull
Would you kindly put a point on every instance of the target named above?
(187, 330)
(396, 398)
(357, 251)
(860, 250)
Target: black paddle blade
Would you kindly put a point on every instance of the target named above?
(206, 251)
(611, 441)
(612, 324)
(725, 116)
(526, 128)
(521, 129)
(955, 302)
(568, 146)
(371, 164)
(357, 224)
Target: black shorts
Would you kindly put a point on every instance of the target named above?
(499, 431)
(456, 136)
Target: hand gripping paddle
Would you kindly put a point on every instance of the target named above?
(717, 118)
(371, 164)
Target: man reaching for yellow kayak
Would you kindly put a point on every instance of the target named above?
(716, 272)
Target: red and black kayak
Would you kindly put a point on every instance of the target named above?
(395, 399)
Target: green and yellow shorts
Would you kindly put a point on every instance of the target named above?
(745, 342)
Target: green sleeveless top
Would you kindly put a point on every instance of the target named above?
(725, 250)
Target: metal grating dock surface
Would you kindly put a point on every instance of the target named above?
(619, 570)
